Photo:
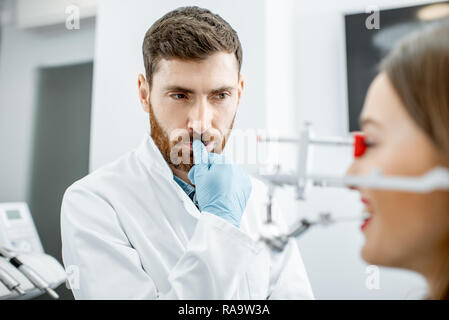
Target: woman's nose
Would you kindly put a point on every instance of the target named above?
(352, 170)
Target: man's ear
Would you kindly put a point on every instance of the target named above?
(144, 92)
(241, 87)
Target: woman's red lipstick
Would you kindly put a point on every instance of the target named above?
(367, 220)
(365, 223)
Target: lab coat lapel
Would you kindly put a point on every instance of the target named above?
(157, 165)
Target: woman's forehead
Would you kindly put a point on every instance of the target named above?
(382, 105)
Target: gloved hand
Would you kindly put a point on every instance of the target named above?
(222, 188)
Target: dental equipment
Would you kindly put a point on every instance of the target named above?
(436, 179)
(28, 272)
(10, 283)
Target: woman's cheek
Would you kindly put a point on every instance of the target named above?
(397, 229)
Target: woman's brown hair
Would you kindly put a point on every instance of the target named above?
(418, 68)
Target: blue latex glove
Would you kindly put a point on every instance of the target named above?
(221, 188)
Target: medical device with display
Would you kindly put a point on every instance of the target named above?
(25, 270)
(17, 229)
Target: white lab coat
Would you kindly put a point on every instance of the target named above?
(130, 232)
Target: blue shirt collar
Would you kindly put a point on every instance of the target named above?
(188, 189)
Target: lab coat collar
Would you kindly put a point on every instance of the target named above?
(152, 158)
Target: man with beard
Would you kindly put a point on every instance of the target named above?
(174, 219)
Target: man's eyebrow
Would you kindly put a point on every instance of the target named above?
(221, 89)
(178, 88)
(368, 121)
(187, 90)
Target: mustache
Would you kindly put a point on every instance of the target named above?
(184, 136)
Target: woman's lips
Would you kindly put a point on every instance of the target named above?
(368, 210)
(365, 223)
(365, 201)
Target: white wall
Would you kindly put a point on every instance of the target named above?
(32, 13)
(22, 51)
(294, 65)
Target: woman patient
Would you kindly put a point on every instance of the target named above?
(406, 123)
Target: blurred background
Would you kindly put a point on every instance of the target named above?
(69, 104)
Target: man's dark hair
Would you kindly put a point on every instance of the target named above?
(188, 33)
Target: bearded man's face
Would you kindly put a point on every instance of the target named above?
(193, 100)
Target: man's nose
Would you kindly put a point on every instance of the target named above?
(200, 117)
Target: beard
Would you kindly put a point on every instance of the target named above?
(175, 148)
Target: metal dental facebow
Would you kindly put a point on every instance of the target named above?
(435, 179)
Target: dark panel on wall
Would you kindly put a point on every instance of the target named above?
(366, 47)
(61, 147)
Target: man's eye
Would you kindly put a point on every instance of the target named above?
(178, 96)
(221, 96)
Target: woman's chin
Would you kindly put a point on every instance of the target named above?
(366, 255)
(370, 253)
